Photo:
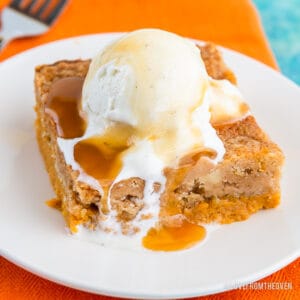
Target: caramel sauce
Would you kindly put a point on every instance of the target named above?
(54, 203)
(98, 156)
(63, 105)
(176, 178)
(101, 158)
(174, 238)
(170, 203)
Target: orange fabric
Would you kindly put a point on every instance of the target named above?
(231, 23)
(17, 284)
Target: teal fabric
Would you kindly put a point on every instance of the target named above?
(281, 21)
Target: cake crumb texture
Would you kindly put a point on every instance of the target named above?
(245, 181)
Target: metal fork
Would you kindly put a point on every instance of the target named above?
(23, 21)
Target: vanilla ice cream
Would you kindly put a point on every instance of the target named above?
(150, 90)
(153, 81)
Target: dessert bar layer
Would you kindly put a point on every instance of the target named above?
(246, 180)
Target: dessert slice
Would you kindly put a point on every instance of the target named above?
(235, 174)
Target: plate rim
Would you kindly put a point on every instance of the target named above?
(118, 33)
(214, 288)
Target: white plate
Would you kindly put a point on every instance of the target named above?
(33, 235)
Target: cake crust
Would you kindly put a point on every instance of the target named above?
(246, 180)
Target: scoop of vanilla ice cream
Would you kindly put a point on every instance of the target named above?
(153, 81)
(151, 87)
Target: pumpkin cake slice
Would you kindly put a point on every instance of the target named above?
(194, 193)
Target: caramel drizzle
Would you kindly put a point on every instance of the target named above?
(101, 158)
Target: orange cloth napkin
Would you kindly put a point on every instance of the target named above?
(232, 23)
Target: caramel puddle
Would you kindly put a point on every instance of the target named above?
(54, 203)
(101, 158)
(166, 238)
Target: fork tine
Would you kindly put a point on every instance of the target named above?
(29, 6)
(55, 12)
(15, 3)
(43, 7)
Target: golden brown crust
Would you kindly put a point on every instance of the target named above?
(76, 196)
(245, 181)
(214, 63)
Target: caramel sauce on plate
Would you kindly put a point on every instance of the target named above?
(101, 157)
(166, 238)
(185, 234)
(54, 203)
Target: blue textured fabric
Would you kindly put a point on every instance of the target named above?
(281, 20)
